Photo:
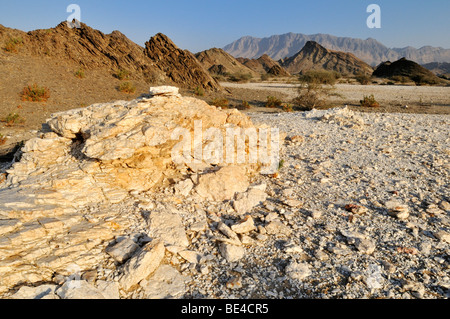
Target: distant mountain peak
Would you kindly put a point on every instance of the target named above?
(370, 50)
(313, 56)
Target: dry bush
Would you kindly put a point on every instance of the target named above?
(11, 44)
(34, 93)
(199, 91)
(13, 119)
(127, 87)
(220, 102)
(2, 139)
(362, 78)
(122, 74)
(369, 101)
(320, 77)
(80, 73)
(272, 101)
(311, 95)
(240, 77)
(245, 105)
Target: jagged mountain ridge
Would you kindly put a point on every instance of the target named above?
(217, 61)
(370, 50)
(313, 56)
(92, 49)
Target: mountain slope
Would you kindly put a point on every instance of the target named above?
(369, 50)
(180, 66)
(408, 69)
(315, 57)
(263, 65)
(217, 61)
(51, 58)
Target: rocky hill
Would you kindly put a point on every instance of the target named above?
(81, 66)
(219, 62)
(406, 69)
(313, 56)
(370, 50)
(180, 66)
(263, 65)
(438, 68)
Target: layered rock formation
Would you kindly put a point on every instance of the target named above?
(180, 66)
(56, 201)
(315, 57)
(161, 61)
(406, 69)
(217, 61)
(264, 64)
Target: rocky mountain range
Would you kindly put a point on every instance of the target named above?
(313, 56)
(161, 61)
(370, 50)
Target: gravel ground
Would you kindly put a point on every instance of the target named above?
(328, 250)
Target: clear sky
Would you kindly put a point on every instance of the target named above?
(197, 25)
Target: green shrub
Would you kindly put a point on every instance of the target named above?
(127, 87)
(34, 93)
(272, 101)
(369, 101)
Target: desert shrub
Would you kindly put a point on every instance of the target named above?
(220, 102)
(369, 101)
(11, 44)
(2, 139)
(362, 78)
(320, 77)
(272, 101)
(34, 93)
(265, 77)
(422, 79)
(245, 105)
(311, 95)
(127, 87)
(199, 91)
(80, 73)
(240, 77)
(287, 107)
(122, 74)
(13, 119)
(400, 78)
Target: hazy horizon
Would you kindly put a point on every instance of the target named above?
(198, 25)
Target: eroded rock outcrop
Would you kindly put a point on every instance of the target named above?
(54, 203)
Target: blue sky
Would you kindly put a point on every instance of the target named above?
(197, 25)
